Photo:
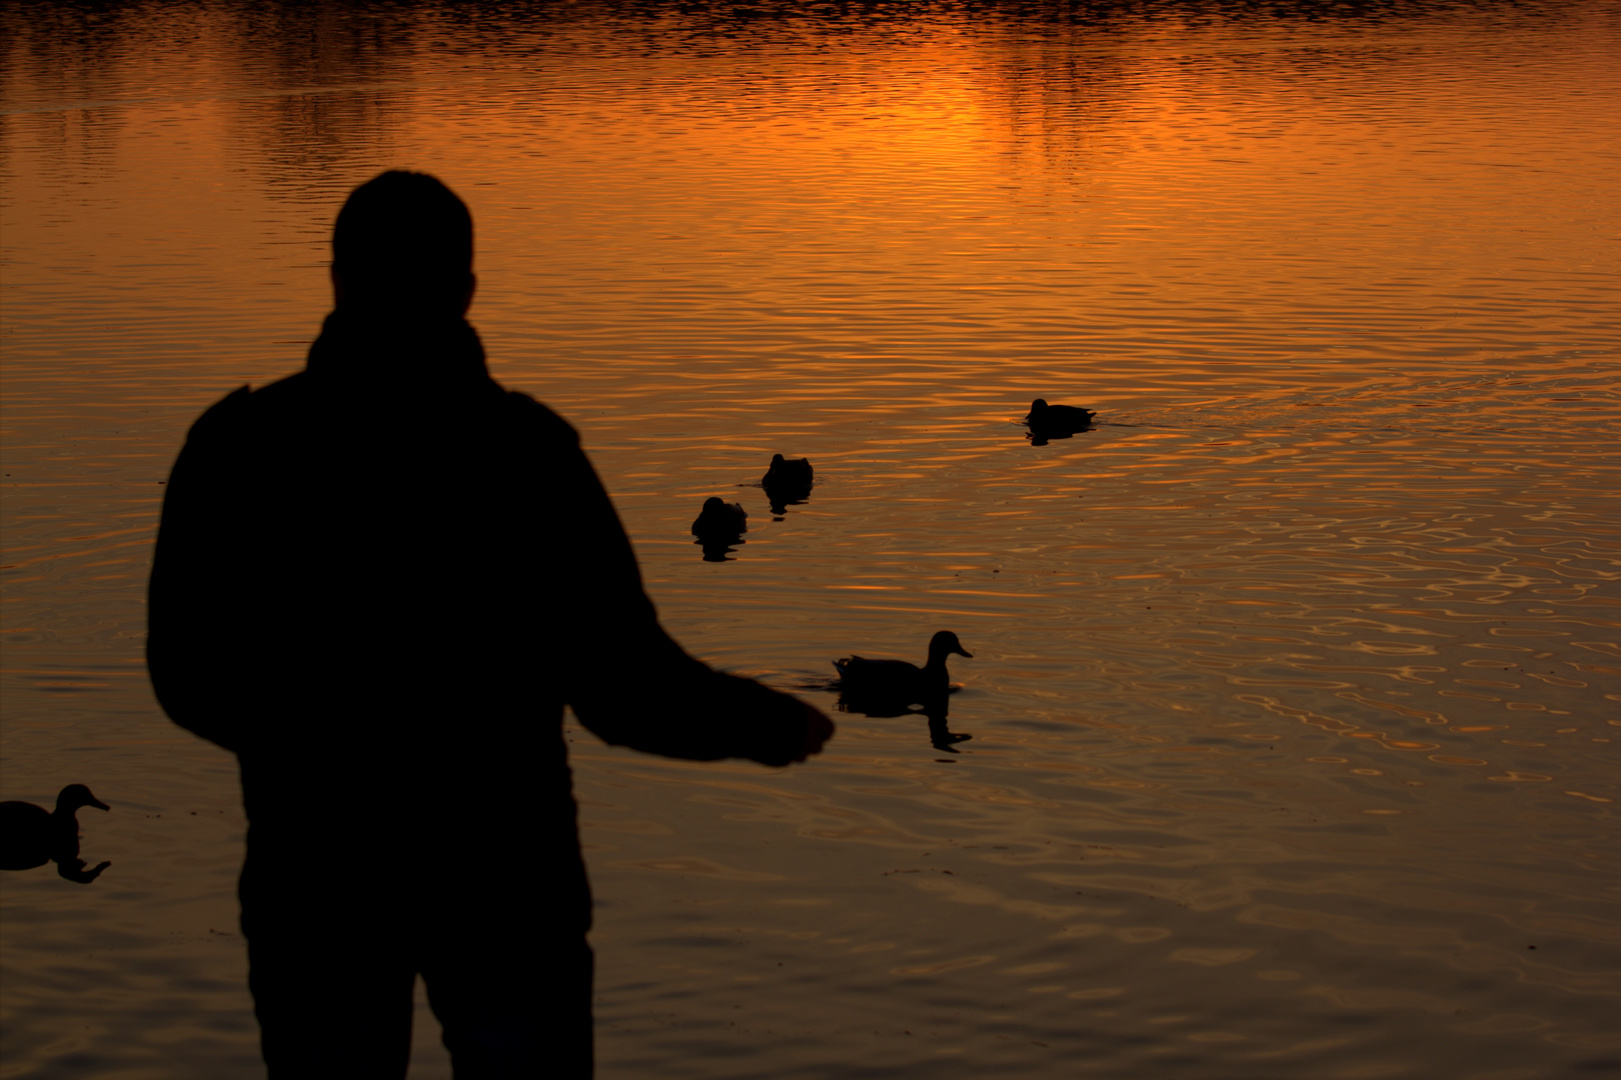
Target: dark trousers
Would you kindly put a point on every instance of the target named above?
(333, 959)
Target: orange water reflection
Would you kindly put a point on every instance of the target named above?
(1293, 679)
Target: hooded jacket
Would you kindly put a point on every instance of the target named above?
(380, 580)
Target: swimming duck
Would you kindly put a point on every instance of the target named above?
(897, 681)
(30, 837)
(1053, 419)
(720, 519)
(788, 480)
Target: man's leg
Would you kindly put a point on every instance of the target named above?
(331, 977)
(514, 1004)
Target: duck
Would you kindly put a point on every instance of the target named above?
(30, 837)
(1058, 418)
(720, 519)
(897, 681)
(787, 480)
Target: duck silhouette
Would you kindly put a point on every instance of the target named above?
(719, 528)
(30, 836)
(1056, 421)
(896, 682)
(720, 519)
(788, 480)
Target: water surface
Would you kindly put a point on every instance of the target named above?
(1293, 699)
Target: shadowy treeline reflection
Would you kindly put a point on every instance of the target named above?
(392, 18)
(321, 86)
(75, 46)
(316, 134)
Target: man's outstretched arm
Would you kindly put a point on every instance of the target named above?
(629, 682)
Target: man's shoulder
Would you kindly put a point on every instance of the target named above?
(241, 406)
(537, 419)
(274, 404)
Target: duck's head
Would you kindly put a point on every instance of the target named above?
(714, 505)
(776, 459)
(1038, 405)
(76, 795)
(943, 644)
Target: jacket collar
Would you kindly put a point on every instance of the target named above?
(398, 351)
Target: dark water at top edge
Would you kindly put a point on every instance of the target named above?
(56, 45)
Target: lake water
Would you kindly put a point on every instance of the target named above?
(1294, 693)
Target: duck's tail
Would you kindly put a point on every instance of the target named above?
(848, 667)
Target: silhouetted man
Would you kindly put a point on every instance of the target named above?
(378, 582)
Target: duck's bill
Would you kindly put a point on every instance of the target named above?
(98, 804)
(960, 651)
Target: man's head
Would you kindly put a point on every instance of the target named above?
(403, 246)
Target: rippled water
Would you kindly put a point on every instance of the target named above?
(1293, 698)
